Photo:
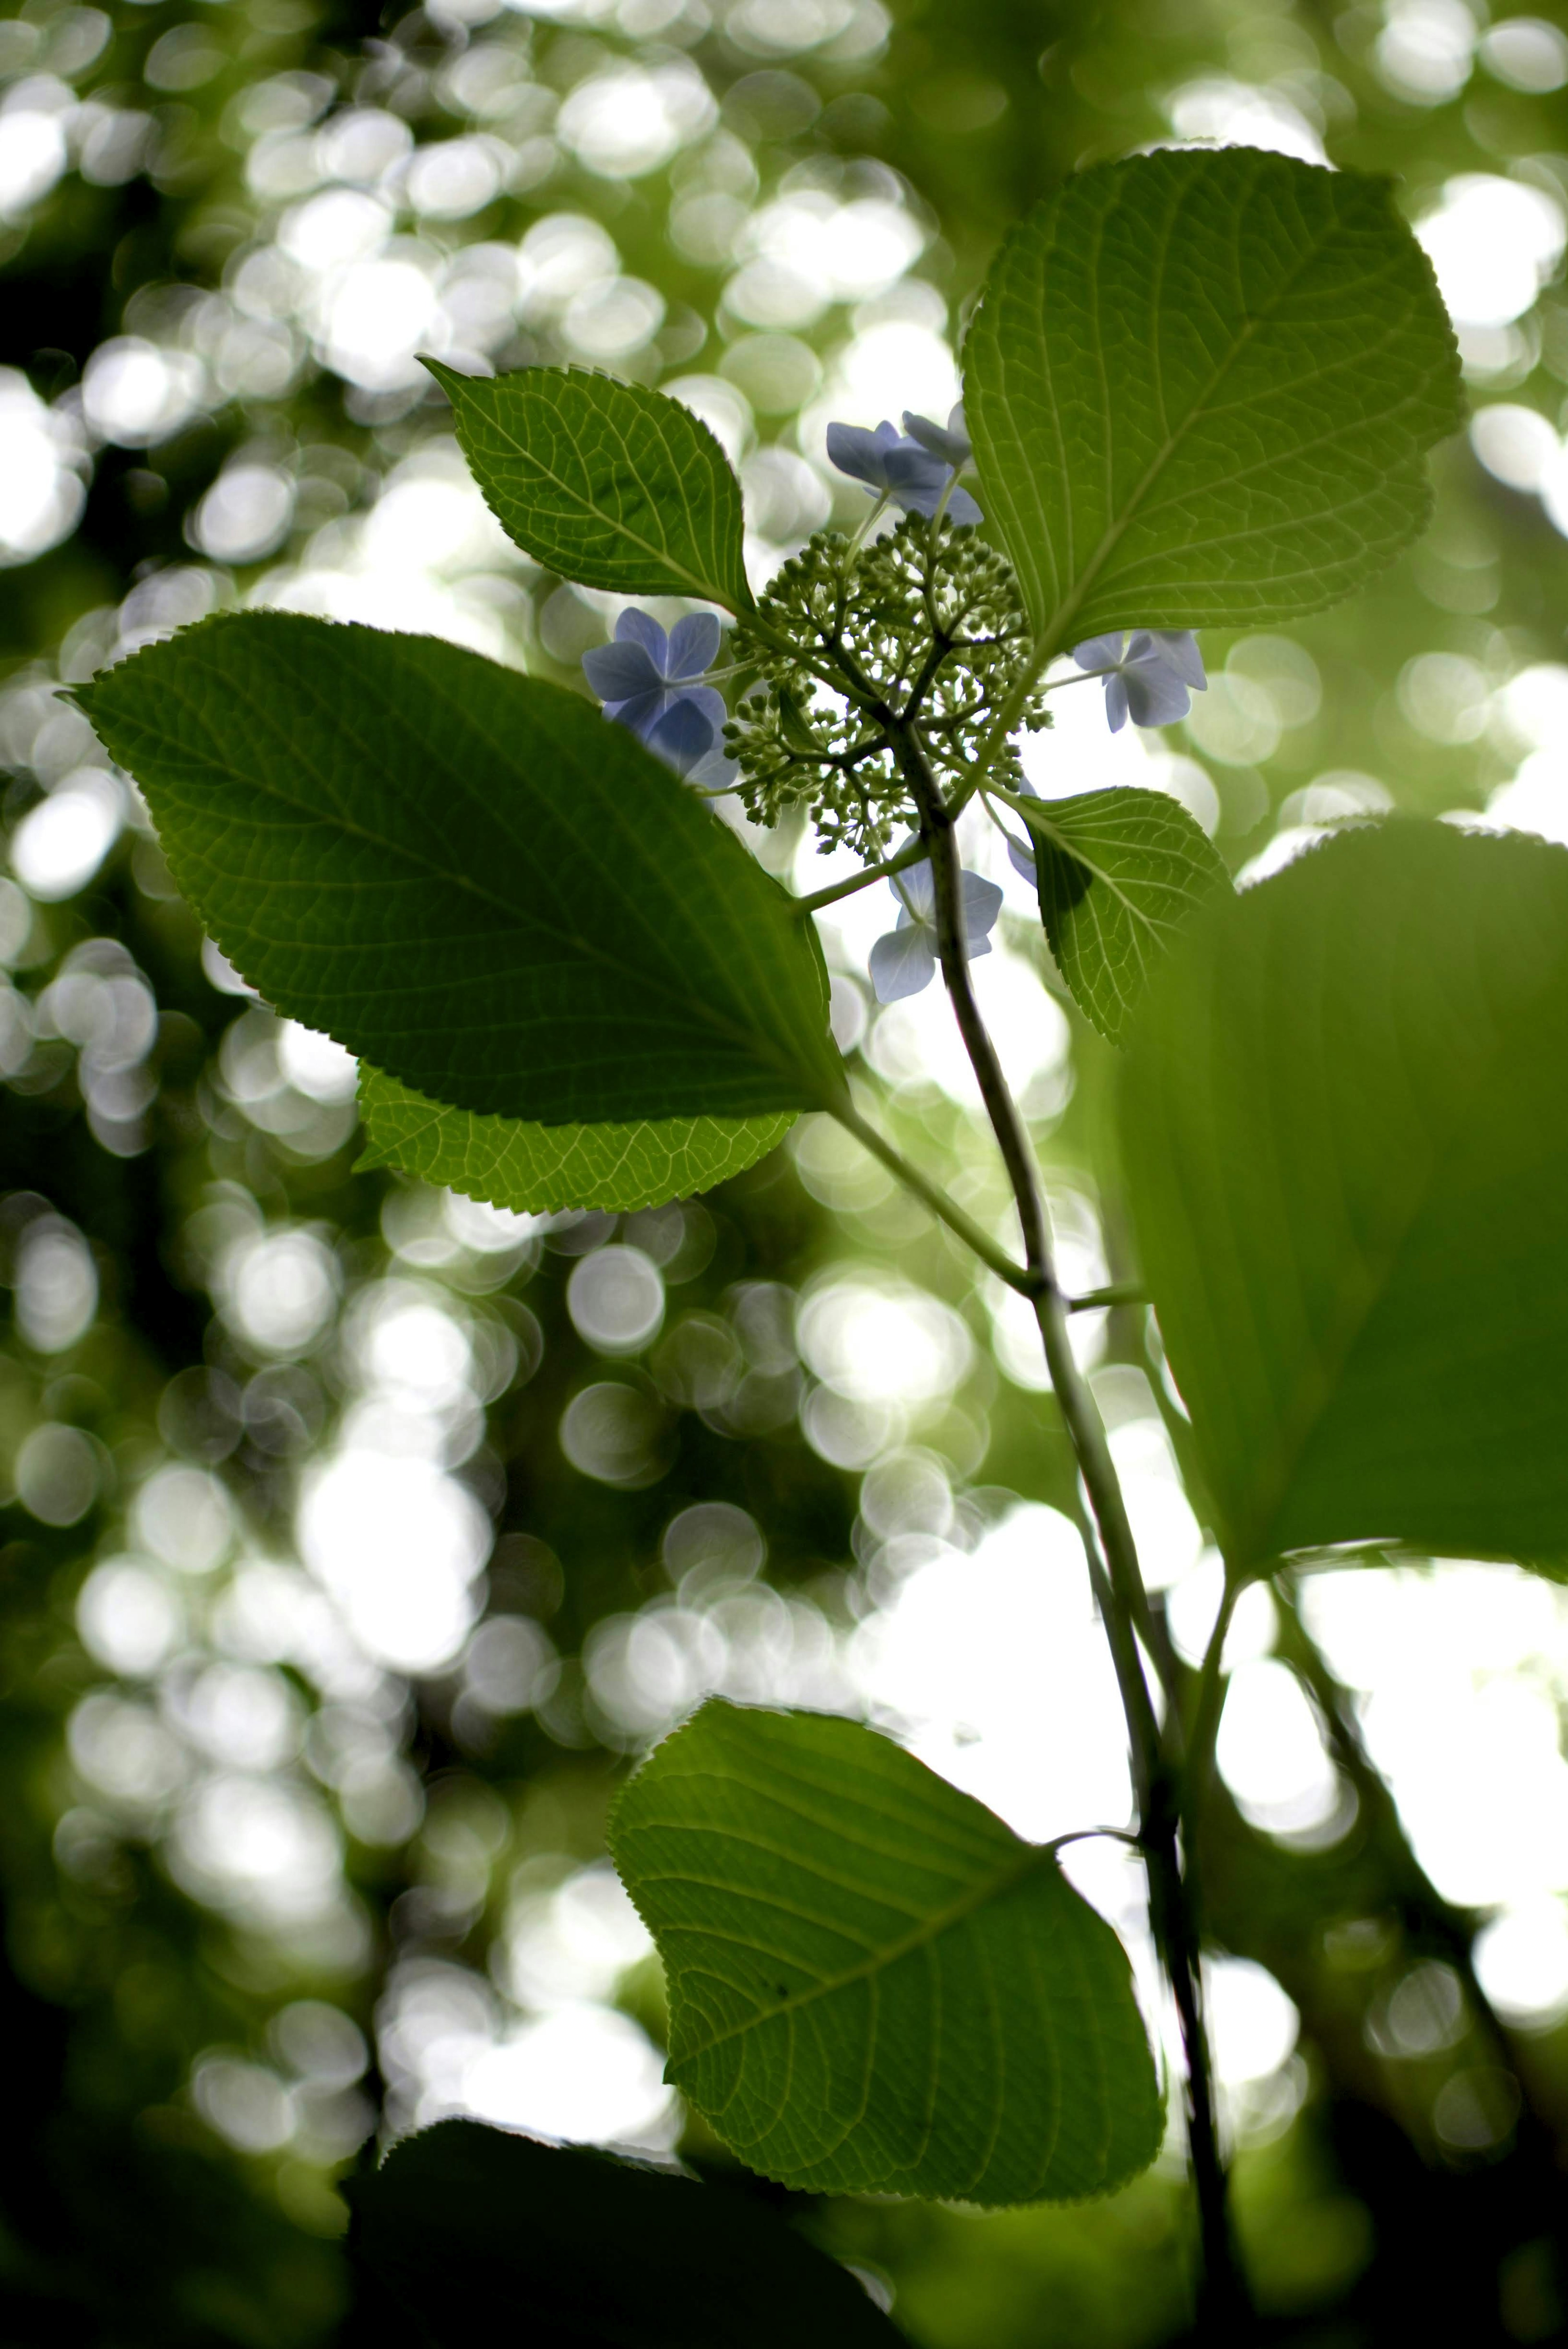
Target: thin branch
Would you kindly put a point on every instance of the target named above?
(1205, 1730)
(931, 1196)
(1120, 1292)
(913, 852)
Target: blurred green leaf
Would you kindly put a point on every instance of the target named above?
(1200, 388)
(874, 1985)
(1119, 872)
(468, 877)
(539, 1169)
(1345, 1127)
(603, 482)
(489, 2237)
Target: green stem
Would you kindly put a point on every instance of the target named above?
(1136, 1703)
(1205, 1730)
(913, 853)
(873, 516)
(1222, 2306)
(931, 1194)
(1222, 2294)
(1120, 1292)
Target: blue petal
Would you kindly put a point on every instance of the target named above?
(709, 700)
(641, 713)
(979, 903)
(962, 509)
(915, 891)
(1179, 649)
(617, 672)
(1022, 863)
(915, 477)
(1154, 696)
(717, 772)
(1097, 654)
(902, 963)
(1115, 700)
(634, 627)
(858, 453)
(694, 645)
(682, 737)
(950, 444)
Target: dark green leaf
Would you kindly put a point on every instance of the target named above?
(1345, 1124)
(1120, 872)
(1200, 388)
(538, 1169)
(603, 482)
(467, 877)
(487, 2237)
(874, 1985)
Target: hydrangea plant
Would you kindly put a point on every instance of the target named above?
(1199, 393)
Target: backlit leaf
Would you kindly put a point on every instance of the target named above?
(1345, 1125)
(1200, 388)
(603, 482)
(1119, 872)
(874, 1985)
(468, 877)
(539, 1169)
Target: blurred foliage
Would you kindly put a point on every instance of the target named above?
(205, 401)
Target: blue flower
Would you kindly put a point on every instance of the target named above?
(686, 738)
(949, 441)
(1150, 678)
(904, 960)
(893, 467)
(644, 674)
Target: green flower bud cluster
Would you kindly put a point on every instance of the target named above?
(925, 626)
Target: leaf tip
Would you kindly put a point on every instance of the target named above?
(444, 375)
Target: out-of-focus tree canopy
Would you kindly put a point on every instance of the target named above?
(353, 1535)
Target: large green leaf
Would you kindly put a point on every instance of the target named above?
(1200, 387)
(466, 876)
(1119, 872)
(603, 482)
(537, 1169)
(487, 2237)
(1345, 1124)
(874, 1985)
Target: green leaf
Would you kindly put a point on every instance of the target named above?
(488, 2237)
(468, 877)
(1200, 387)
(1119, 872)
(603, 482)
(874, 1985)
(1345, 1127)
(539, 1169)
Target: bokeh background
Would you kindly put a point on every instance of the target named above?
(353, 1536)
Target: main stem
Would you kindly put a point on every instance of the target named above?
(1222, 2297)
